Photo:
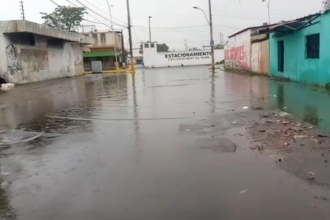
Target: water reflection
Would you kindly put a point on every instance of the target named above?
(6, 210)
(307, 103)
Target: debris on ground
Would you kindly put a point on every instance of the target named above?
(284, 114)
(242, 192)
(311, 175)
(245, 107)
(321, 198)
(278, 131)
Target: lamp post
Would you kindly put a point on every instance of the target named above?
(268, 8)
(149, 29)
(109, 7)
(209, 21)
(115, 33)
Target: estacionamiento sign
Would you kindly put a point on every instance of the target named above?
(188, 55)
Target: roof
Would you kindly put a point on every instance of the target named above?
(101, 54)
(292, 25)
(248, 28)
(296, 21)
(24, 26)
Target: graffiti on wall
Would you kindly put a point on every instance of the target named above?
(12, 59)
(237, 56)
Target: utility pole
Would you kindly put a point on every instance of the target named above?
(131, 68)
(22, 9)
(115, 33)
(150, 29)
(211, 33)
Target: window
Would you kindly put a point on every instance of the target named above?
(152, 45)
(55, 43)
(313, 46)
(103, 40)
(146, 45)
(22, 39)
(95, 38)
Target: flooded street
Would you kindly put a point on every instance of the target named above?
(161, 144)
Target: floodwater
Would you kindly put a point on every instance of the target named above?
(160, 144)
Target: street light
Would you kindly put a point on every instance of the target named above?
(209, 21)
(149, 29)
(115, 45)
(268, 7)
(109, 7)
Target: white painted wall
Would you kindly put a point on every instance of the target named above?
(21, 64)
(238, 51)
(178, 58)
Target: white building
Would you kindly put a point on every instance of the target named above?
(154, 59)
(31, 52)
(103, 39)
(247, 50)
(102, 56)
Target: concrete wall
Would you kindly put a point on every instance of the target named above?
(238, 51)
(152, 58)
(260, 57)
(19, 26)
(296, 66)
(21, 63)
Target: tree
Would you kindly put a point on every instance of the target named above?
(162, 48)
(218, 46)
(64, 17)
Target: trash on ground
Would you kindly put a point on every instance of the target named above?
(300, 136)
(245, 107)
(242, 192)
(284, 114)
(311, 175)
(7, 87)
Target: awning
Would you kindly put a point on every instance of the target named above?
(102, 54)
(287, 26)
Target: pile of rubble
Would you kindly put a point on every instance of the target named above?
(280, 130)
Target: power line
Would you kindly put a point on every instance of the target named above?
(97, 13)
(104, 12)
(99, 22)
(168, 28)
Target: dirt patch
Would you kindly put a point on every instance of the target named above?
(220, 145)
(279, 131)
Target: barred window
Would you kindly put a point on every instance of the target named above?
(313, 46)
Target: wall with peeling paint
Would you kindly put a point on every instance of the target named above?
(21, 63)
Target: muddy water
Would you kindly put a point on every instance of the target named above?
(162, 144)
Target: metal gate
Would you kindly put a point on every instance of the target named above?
(97, 67)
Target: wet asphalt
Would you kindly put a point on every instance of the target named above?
(160, 144)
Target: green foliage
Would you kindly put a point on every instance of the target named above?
(162, 48)
(218, 46)
(64, 17)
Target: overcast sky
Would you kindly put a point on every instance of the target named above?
(174, 21)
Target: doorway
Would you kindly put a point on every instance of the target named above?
(280, 54)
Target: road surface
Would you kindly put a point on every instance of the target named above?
(161, 144)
